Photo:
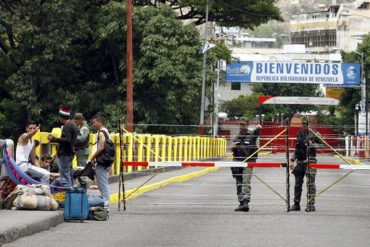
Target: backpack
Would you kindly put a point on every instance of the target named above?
(301, 150)
(107, 157)
(301, 146)
(98, 213)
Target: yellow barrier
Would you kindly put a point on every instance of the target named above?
(146, 147)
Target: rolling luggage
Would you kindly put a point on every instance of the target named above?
(76, 206)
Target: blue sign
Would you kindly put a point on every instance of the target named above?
(339, 74)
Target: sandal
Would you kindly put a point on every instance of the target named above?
(94, 187)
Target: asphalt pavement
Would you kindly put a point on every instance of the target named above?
(200, 212)
(15, 224)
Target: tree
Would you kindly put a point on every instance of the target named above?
(167, 71)
(243, 106)
(43, 47)
(53, 52)
(247, 14)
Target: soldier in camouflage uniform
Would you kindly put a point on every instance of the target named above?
(305, 150)
(244, 144)
(82, 142)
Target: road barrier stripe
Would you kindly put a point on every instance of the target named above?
(340, 166)
(243, 164)
(205, 164)
(324, 166)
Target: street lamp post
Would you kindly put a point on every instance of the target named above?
(363, 91)
(357, 108)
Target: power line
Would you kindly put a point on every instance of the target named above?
(242, 10)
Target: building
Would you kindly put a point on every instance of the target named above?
(334, 28)
(236, 37)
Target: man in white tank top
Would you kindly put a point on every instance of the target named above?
(26, 152)
(101, 170)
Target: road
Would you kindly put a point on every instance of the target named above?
(200, 212)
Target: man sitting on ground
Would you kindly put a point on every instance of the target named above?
(47, 164)
(26, 151)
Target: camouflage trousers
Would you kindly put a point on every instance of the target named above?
(243, 184)
(299, 172)
(82, 156)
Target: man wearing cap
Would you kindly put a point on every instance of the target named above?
(244, 145)
(66, 146)
(305, 152)
(82, 142)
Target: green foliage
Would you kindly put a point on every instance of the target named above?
(352, 96)
(248, 105)
(53, 52)
(247, 14)
(42, 50)
(243, 106)
(219, 52)
(167, 63)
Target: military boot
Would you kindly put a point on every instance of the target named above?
(243, 207)
(295, 207)
(310, 208)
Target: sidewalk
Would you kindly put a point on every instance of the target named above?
(20, 223)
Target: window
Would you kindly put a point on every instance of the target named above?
(235, 86)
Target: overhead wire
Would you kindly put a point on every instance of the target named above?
(242, 10)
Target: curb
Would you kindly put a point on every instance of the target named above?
(178, 179)
(351, 160)
(137, 174)
(265, 153)
(43, 224)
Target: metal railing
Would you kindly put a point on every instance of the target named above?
(146, 147)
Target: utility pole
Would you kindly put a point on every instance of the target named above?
(364, 102)
(129, 62)
(367, 115)
(357, 108)
(215, 126)
(202, 106)
(366, 109)
(363, 91)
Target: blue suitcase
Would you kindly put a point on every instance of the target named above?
(76, 206)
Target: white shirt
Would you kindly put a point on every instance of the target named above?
(22, 153)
